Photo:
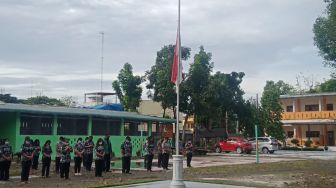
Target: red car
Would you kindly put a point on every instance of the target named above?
(230, 144)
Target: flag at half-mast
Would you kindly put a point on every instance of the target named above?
(176, 74)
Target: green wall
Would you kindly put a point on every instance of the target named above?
(10, 128)
(7, 126)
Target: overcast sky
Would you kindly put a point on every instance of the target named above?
(53, 47)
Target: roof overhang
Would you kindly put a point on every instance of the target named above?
(309, 122)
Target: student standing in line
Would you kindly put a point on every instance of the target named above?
(65, 159)
(7, 155)
(149, 153)
(99, 162)
(89, 145)
(37, 150)
(85, 154)
(58, 154)
(166, 149)
(189, 152)
(79, 151)
(108, 153)
(46, 158)
(27, 152)
(126, 153)
(159, 152)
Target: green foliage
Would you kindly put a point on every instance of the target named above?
(43, 100)
(128, 88)
(295, 141)
(325, 34)
(327, 86)
(308, 143)
(160, 87)
(272, 110)
(7, 98)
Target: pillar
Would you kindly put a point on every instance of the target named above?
(320, 104)
(90, 126)
(149, 128)
(122, 127)
(55, 125)
(17, 132)
(294, 106)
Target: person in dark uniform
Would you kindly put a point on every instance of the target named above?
(159, 152)
(46, 158)
(189, 152)
(2, 164)
(89, 145)
(7, 154)
(37, 150)
(79, 152)
(166, 149)
(27, 153)
(126, 153)
(99, 162)
(65, 159)
(85, 155)
(108, 153)
(149, 153)
(58, 154)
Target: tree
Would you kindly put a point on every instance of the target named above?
(325, 34)
(128, 88)
(43, 100)
(160, 87)
(272, 110)
(7, 98)
(327, 86)
(69, 100)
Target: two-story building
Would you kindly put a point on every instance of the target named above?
(310, 116)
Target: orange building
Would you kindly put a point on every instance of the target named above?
(310, 116)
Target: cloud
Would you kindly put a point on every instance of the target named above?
(55, 45)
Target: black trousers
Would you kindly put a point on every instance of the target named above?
(99, 167)
(4, 170)
(165, 160)
(25, 168)
(46, 166)
(160, 160)
(64, 169)
(35, 162)
(57, 164)
(189, 157)
(107, 160)
(78, 164)
(149, 161)
(88, 161)
(126, 164)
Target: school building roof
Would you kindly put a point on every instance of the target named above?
(44, 109)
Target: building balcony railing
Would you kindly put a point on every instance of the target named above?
(308, 115)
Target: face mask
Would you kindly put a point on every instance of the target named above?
(100, 143)
(6, 142)
(79, 141)
(27, 142)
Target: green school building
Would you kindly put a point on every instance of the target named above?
(49, 123)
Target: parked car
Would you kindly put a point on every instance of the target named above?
(265, 144)
(239, 145)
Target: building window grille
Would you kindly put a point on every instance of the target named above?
(289, 108)
(68, 125)
(330, 107)
(312, 134)
(290, 134)
(134, 128)
(104, 126)
(312, 107)
(36, 124)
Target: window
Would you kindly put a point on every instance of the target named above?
(312, 107)
(312, 134)
(103, 126)
(289, 108)
(135, 128)
(36, 124)
(290, 134)
(330, 107)
(72, 125)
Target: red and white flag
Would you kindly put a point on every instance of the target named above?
(176, 74)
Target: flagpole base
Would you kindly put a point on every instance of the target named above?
(177, 181)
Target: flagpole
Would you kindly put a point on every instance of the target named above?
(177, 181)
